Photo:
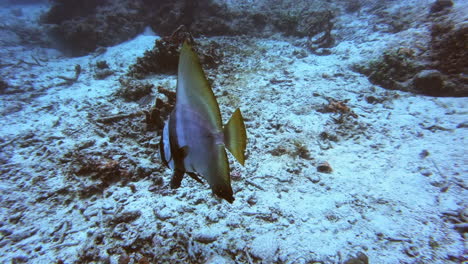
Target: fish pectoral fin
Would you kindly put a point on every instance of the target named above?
(176, 179)
(235, 137)
(195, 177)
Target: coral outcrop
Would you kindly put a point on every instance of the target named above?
(440, 5)
(91, 24)
(86, 25)
(449, 54)
(3, 86)
(133, 90)
(164, 56)
(440, 71)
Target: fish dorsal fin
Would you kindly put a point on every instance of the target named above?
(193, 89)
(235, 137)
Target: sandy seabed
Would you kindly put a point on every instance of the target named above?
(396, 190)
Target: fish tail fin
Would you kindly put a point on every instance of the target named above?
(235, 137)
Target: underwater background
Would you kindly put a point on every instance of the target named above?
(355, 111)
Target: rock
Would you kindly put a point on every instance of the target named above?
(449, 53)
(426, 172)
(89, 253)
(127, 233)
(430, 82)
(424, 154)
(440, 5)
(264, 247)
(133, 90)
(206, 237)
(314, 179)
(462, 227)
(164, 56)
(160, 111)
(352, 6)
(102, 65)
(213, 217)
(442, 73)
(22, 235)
(164, 214)
(125, 217)
(19, 259)
(412, 251)
(102, 70)
(3, 86)
(360, 258)
(324, 167)
(86, 25)
(6, 232)
(216, 259)
(391, 70)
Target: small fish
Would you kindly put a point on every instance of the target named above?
(193, 141)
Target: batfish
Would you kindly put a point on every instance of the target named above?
(194, 139)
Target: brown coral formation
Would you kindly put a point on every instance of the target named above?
(133, 90)
(164, 56)
(91, 24)
(441, 73)
(160, 110)
(86, 25)
(450, 55)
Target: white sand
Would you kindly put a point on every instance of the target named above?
(376, 200)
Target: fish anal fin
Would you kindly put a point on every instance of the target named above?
(235, 137)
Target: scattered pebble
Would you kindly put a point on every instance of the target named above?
(324, 167)
(206, 238)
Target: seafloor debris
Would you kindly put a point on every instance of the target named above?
(70, 80)
(449, 55)
(430, 82)
(107, 171)
(3, 86)
(92, 24)
(132, 89)
(294, 148)
(352, 6)
(441, 5)
(458, 218)
(391, 70)
(86, 25)
(116, 118)
(439, 72)
(102, 70)
(335, 106)
(164, 56)
(360, 258)
(160, 110)
(315, 25)
(319, 33)
(344, 124)
(324, 167)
